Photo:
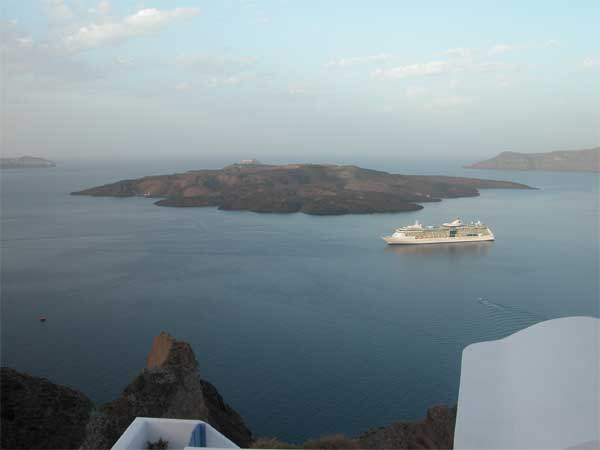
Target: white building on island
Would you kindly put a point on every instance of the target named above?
(250, 162)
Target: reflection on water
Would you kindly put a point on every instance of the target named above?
(458, 249)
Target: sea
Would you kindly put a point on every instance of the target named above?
(306, 325)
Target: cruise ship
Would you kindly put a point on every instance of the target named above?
(455, 231)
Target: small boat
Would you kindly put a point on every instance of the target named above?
(42, 318)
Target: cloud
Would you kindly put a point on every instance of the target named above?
(218, 70)
(501, 48)
(212, 64)
(486, 66)
(24, 42)
(25, 60)
(459, 52)
(124, 61)
(231, 80)
(142, 22)
(103, 7)
(58, 9)
(454, 83)
(589, 63)
(437, 68)
(502, 82)
(260, 19)
(256, 11)
(183, 86)
(416, 91)
(451, 101)
(297, 91)
(413, 70)
(358, 60)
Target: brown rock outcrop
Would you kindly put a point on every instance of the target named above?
(37, 413)
(169, 387)
(161, 349)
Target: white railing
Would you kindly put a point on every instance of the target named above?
(176, 432)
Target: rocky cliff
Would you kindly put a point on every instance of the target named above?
(435, 431)
(308, 188)
(570, 160)
(169, 387)
(36, 413)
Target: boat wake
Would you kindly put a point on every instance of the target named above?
(495, 321)
(508, 319)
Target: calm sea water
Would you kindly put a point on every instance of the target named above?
(307, 325)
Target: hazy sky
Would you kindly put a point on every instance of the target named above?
(290, 80)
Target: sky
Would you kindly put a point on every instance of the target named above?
(298, 80)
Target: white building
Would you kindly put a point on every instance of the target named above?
(538, 388)
(177, 432)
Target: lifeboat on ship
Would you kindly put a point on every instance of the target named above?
(454, 224)
(416, 227)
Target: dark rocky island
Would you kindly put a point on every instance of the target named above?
(38, 414)
(587, 160)
(25, 162)
(308, 188)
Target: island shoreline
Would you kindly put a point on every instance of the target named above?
(323, 190)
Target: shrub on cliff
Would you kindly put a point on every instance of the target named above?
(334, 441)
(272, 443)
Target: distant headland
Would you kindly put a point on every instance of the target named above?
(587, 160)
(25, 162)
(308, 188)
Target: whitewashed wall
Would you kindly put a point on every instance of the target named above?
(538, 388)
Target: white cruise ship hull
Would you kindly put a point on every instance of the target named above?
(413, 240)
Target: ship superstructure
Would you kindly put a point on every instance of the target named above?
(455, 231)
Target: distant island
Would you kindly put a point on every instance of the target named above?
(587, 160)
(25, 162)
(308, 188)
